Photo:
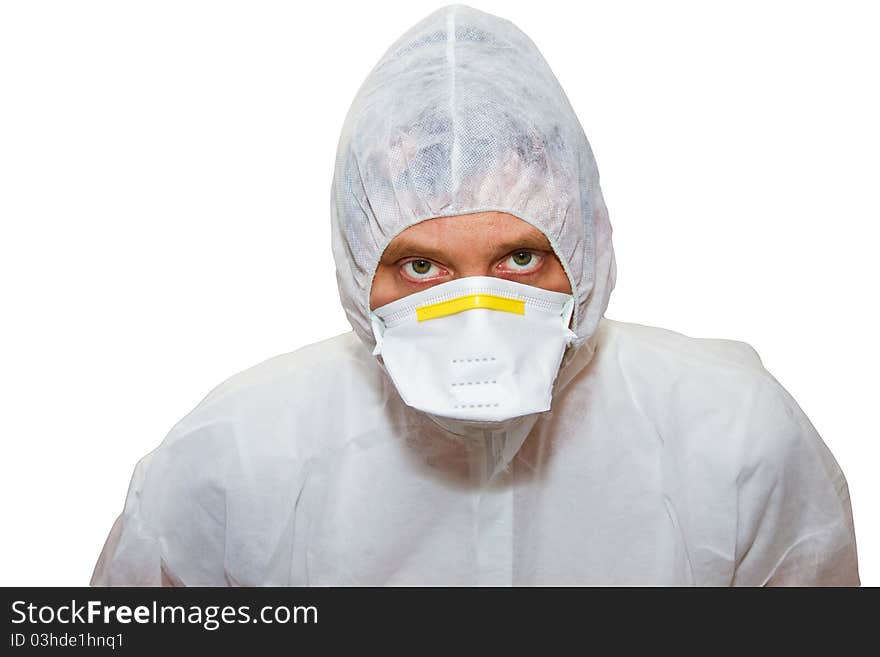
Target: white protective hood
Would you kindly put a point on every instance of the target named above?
(462, 114)
(664, 459)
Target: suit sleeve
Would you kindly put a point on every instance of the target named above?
(131, 555)
(794, 517)
(171, 531)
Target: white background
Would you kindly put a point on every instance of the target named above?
(165, 174)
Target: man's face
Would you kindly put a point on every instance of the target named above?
(480, 244)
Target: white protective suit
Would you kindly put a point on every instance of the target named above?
(664, 460)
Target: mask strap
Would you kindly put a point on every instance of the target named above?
(378, 332)
(567, 310)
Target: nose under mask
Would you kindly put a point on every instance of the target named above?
(476, 348)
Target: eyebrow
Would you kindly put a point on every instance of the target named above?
(406, 246)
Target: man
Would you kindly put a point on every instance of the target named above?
(484, 424)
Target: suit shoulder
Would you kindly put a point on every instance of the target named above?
(265, 416)
(712, 395)
(319, 363)
(686, 354)
(277, 390)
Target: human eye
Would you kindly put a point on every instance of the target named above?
(420, 269)
(523, 262)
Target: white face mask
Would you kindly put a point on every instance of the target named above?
(475, 348)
